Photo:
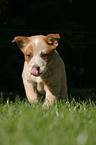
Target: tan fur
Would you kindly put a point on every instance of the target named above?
(52, 79)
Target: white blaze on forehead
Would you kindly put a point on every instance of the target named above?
(38, 44)
(36, 41)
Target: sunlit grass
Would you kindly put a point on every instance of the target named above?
(71, 123)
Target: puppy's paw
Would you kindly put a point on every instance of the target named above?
(49, 101)
(33, 100)
(46, 105)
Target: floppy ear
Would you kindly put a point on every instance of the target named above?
(21, 41)
(52, 40)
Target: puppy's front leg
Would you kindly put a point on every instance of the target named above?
(50, 98)
(30, 93)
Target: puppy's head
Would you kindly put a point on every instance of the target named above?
(37, 51)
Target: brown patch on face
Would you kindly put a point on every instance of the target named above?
(28, 53)
(47, 56)
(52, 41)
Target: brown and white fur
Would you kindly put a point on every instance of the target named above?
(44, 70)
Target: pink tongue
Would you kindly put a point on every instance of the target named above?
(34, 71)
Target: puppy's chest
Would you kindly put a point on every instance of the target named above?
(37, 83)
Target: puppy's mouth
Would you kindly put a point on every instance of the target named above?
(35, 71)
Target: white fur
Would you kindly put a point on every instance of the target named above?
(36, 41)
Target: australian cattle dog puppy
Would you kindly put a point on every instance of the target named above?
(44, 70)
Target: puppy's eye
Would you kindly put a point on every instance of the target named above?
(29, 56)
(43, 55)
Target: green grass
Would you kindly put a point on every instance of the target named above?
(62, 124)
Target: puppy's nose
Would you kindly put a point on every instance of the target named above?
(35, 70)
(37, 67)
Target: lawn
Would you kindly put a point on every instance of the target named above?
(71, 123)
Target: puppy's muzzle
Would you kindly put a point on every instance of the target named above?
(35, 71)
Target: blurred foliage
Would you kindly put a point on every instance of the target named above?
(3, 4)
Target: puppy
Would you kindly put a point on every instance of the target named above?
(44, 70)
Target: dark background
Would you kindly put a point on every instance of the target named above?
(74, 20)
